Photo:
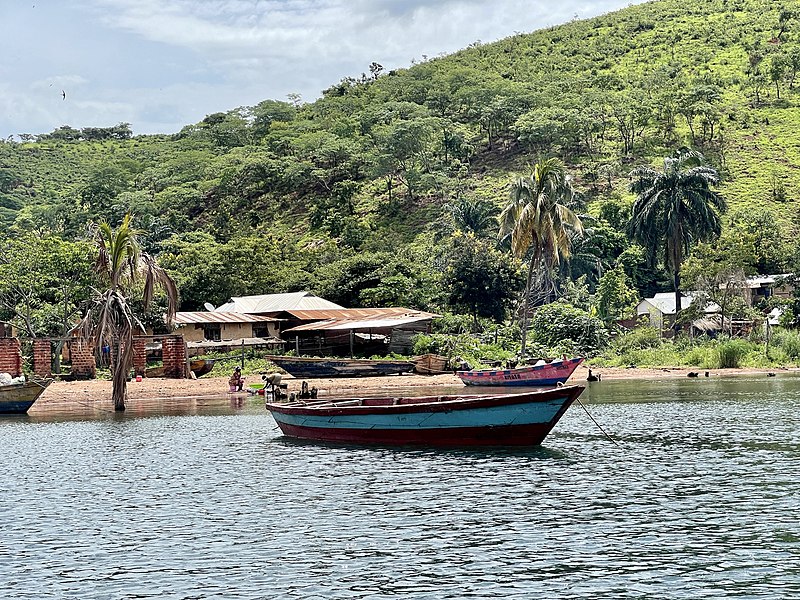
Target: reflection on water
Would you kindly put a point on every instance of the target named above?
(207, 500)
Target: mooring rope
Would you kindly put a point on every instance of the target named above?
(583, 406)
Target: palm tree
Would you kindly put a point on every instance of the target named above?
(475, 215)
(539, 223)
(674, 209)
(123, 267)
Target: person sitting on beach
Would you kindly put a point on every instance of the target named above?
(236, 381)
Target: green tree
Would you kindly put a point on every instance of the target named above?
(479, 279)
(124, 269)
(674, 209)
(539, 222)
(615, 299)
(44, 282)
(559, 325)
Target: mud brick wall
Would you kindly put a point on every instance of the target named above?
(173, 352)
(42, 358)
(83, 364)
(139, 356)
(10, 356)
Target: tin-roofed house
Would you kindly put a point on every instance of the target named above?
(216, 329)
(362, 331)
(660, 312)
(313, 325)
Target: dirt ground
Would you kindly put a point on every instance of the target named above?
(98, 393)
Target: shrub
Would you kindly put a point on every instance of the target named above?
(731, 353)
(562, 326)
(464, 346)
(637, 339)
(788, 342)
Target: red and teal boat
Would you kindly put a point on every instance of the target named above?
(544, 374)
(522, 419)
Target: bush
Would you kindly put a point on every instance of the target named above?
(640, 338)
(731, 353)
(788, 342)
(463, 346)
(568, 329)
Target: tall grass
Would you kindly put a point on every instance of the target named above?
(730, 354)
(788, 341)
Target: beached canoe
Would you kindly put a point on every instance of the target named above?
(340, 367)
(522, 419)
(17, 398)
(545, 374)
(201, 366)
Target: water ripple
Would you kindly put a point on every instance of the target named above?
(698, 500)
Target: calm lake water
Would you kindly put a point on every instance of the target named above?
(701, 499)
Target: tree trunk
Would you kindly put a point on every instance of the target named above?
(120, 365)
(525, 301)
(677, 282)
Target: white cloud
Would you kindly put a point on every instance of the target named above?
(161, 64)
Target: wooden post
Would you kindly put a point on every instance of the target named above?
(242, 355)
(297, 345)
(351, 343)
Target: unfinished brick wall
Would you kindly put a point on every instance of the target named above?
(82, 353)
(139, 356)
(42, 358)
(173, 352)
(10, 356)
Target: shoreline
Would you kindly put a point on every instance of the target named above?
(98, 392)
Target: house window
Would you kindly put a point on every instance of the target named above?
(212, 332)
(260, 331)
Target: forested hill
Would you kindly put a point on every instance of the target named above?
(357, 195)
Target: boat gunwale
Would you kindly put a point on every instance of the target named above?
(310, 359)
(435, 403)
(482, 373)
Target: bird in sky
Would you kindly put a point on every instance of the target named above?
(63, 95)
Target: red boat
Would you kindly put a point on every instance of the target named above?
(467, 420)
(540, 374)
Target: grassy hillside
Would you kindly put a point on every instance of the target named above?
(374, 163)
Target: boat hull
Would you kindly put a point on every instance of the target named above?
(19, 397)
(201, 366)
(550, 374)
(496, 420)
(310, 368)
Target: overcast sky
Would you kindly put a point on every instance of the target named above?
(162, 64)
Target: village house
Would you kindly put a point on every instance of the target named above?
(309, 324)
(763, 287)
(659, 311)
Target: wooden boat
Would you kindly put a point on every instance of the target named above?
(431, 364)
(17, 398)
(201, 366)
(340, 367)
(472, 420)
(552, 373)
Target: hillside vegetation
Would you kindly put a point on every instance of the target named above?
(370, 195)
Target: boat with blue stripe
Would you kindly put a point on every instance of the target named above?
(522, 419)
(540, 374)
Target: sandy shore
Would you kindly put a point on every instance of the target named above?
(98, 393)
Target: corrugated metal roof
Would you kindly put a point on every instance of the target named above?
(201, 317)
(272, 303)
(351, 324)
(764, 280)
(359, 313)
(665, 303)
